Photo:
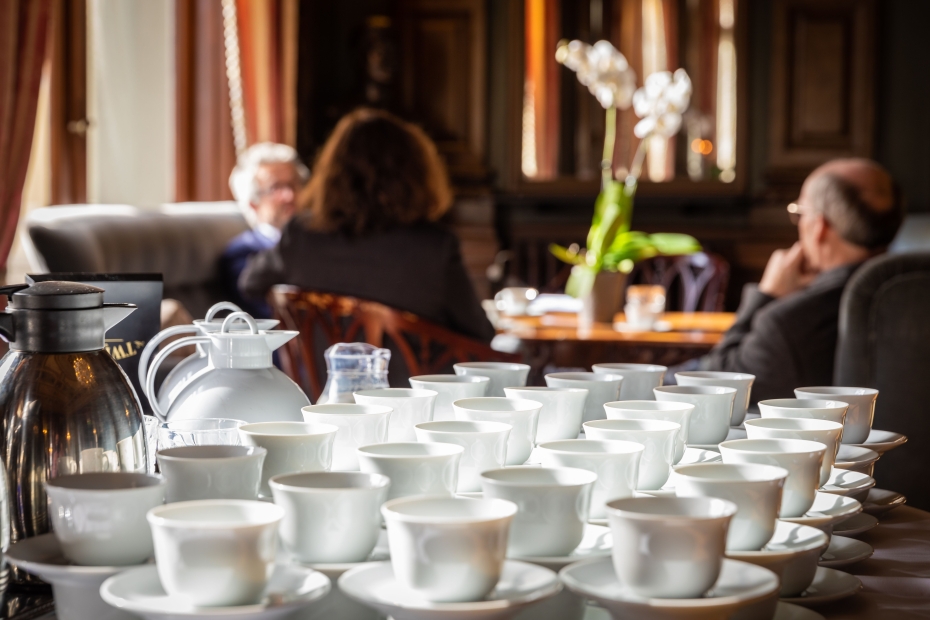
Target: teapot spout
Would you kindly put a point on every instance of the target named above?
(114, 313)
(278, 337)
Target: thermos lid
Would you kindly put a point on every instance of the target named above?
(54, 295)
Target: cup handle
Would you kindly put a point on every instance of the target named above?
(149, 385)
(219, 307)
(153, 344)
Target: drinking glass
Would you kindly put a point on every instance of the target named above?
(644, 305)
(203, 432)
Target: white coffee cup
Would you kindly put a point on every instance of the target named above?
(515, 300)
(212, 472)
(99, 518)
(861, 410)
(755, 489)
(657, 438)
(669, 547)
(410, 407)
(450, 388)
(638, 379)
(801, 458)
(330, 517)
(292, 447)
(741, 381)
(414, 468)
(501, 374)
(448, 550)
(817, 409)
(602, 388)
(484, 445)
(679, 413)
(824, 431)
(616, 464)
(359, 425)
(522, 415)
(713, 408)
(215, 553)
(562, 409)
(552, 507)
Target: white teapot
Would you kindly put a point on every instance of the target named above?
(239, 381)
(193, 363)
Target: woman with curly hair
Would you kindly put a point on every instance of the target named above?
(366, 227)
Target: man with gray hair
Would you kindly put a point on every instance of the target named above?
(265, 183)
(785, 333)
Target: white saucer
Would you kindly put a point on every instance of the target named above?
(658, 326)
(380, 553)
(733, 433)
(665, 491)
(880, 501)
(853, 484)
(828, 509)
(739, 585)
(856, 458)
(829, 585)
(76, 588)
(790, 611)
(844, 551)
(882, 441)
(792, 554)
(859, 524)
(471, 495)
(139, 591)
(521, 584)
(698, 455)
(597, 542)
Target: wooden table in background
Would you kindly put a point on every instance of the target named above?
(554, 340)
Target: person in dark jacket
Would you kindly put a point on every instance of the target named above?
(786, 329)
(367, 227)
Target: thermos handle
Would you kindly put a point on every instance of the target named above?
(153, 344)
(219, 307)
(239, 316)
(149, 384)
(6, 319)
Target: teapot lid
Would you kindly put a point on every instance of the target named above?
(54, 295)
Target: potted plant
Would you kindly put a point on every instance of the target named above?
(600, 269)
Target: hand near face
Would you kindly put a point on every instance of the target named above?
(786, 272)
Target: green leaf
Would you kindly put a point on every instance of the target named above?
(674, 243)
(566, 256)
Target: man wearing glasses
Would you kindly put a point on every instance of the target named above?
(786, 330)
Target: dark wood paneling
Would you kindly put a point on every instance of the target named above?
(68, 102)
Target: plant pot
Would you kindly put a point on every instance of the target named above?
(605, 298)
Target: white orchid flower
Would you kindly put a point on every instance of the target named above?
(601, 68)
(661, 102)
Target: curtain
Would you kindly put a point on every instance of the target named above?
(23, 32)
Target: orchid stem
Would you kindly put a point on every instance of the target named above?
(637, 168)
(610, 135)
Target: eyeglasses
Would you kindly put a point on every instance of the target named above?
(795, 211)
(280, 187)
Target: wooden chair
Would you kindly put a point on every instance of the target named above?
(418, 346)
(694, 283)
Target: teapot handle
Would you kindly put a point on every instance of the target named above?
(219, 307)
(153, 344)
(149, 386)
(239, 316)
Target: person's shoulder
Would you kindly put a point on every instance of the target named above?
(818, 301)
(245, 242)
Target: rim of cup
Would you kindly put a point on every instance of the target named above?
(585, 376)
(774, 446)
(716, 374)
(215, 453)
(451, 510)
(649, 405)
(497, 404)
(803, 403)
(284, 429)
(195, 425)
(407, 449)
(837, 390)
(396, 393)
(629, 366)
(543, 388)
(111, 481)
(795, 424)
(457, 427)
(732, 472)
(632, 425)
(345, 409)
(533, 476)
(250, 513)
(677, 508)
(597, 446)
(451, 379)
(329, 482)
(492, 365)
(698, 390)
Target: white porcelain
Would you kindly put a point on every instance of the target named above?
(713, 408)
(597, 542)
(789, 611)
(75, 588)
(616, 464)
(755, 489)
(857, 459)
(99, 518)
(450, 388)
(880, 501)
(679, 413)
(855, 525)
(829, 585)
(827, 510)
(657, 438)
(602, 388)
(823, 431)
(520, 585)
(808, 408)
(552, 507)
(358, 425)
(414, 468)
(290, 588)
(882, 441)
(697, 455)
(292, 447)
(211, 472)
(843, 551)
(410, 407)
(561, 413)
(198, 432)
(215, 553)
(638, 379)
(741, 381)
(484, 444)
(501, 374)
(861, 408)
(330, 517)
(850, 483)
(337, 604)
(521, 415)
(792, 553)
(448, 550)
(801, 458)
(515, 300)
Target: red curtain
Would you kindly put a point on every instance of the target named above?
(23, 31)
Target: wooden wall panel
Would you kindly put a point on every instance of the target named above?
(68, 102)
